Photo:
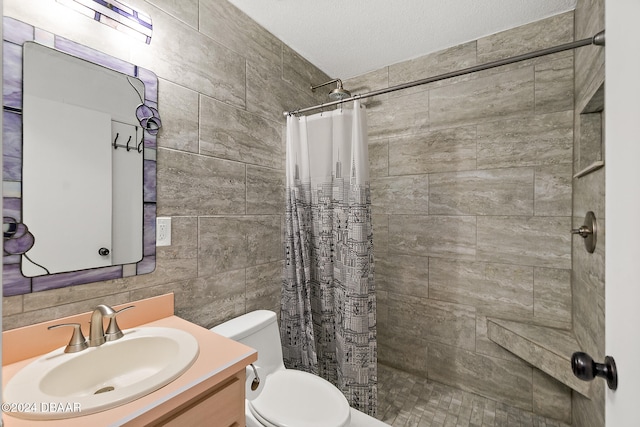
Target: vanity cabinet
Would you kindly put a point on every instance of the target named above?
(211, 392)
(221, 406)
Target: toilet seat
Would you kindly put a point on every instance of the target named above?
(294, 398)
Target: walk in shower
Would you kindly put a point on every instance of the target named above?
(472, 182)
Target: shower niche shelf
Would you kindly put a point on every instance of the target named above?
(545, 348)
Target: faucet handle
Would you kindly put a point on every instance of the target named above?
(113, 330)
(77, 342)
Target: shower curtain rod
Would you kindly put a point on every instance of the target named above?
(597, 40)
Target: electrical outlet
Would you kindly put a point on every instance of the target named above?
(163, 231)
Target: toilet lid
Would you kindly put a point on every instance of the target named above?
(294, 398)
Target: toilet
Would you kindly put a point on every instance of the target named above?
(286, 397)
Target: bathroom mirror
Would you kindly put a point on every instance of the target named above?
(79, 138)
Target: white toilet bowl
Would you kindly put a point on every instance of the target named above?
(286, 397)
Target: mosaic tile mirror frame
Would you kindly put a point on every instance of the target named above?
(16, 33)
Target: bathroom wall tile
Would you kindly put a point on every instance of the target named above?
(222, 244)
(12, 305)
(265, 190)
(589, 412)
(589, 195)
(589, 315)
(232, 28)
(487, 347)
(230, 243)
(554, 85)
(504, 380)
(235, 134)
(264, 242)
(433, 64)
(589, 19)
(264, 283)
(538, 35)
(401, 351)
(552, 295)
(379, 158)
(211, 300)
(399, 115)
(268, 95)
(400, 194)
(380, 234)
(546, 348)
(589, 74)
(551, 398)
(588, 140)
(200, 64)
(484, 99)
(184, 10)
(46, 282)
(535, 241)
(553, 190)
(179, 118)
(368, 82)
(41, 300)
(526, 141)
(403, 274)
(588, 318)
(483, 192)
(301, 73)
(439, 236)
(382, 308)
(56, 312)
(442, 150)
(220, 185)
(496, 289)
(434, 321)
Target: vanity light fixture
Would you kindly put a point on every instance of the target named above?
(116, 15)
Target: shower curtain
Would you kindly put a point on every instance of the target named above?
(328, 309)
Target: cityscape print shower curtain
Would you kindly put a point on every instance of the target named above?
(328, 309)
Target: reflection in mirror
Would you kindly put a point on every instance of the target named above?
(79, 163)
(68, 123)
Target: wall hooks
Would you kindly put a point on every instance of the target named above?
(128, 145)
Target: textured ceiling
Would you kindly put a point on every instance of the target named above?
(346, 38)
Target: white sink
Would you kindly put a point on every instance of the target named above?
(63, 385)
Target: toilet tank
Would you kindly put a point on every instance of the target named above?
(258, 330)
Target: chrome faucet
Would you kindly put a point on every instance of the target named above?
(96, 327)
(97, 335)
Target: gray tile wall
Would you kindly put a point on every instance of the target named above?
(588, 272)
(471, 193)
(471, 180)
(223, 84)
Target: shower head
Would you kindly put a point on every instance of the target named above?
(337, 94)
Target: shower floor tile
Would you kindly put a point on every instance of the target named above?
(406, 400)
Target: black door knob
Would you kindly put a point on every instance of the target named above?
(586, 369)
(103, 251)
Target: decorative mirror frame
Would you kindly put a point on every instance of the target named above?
(16, 33)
